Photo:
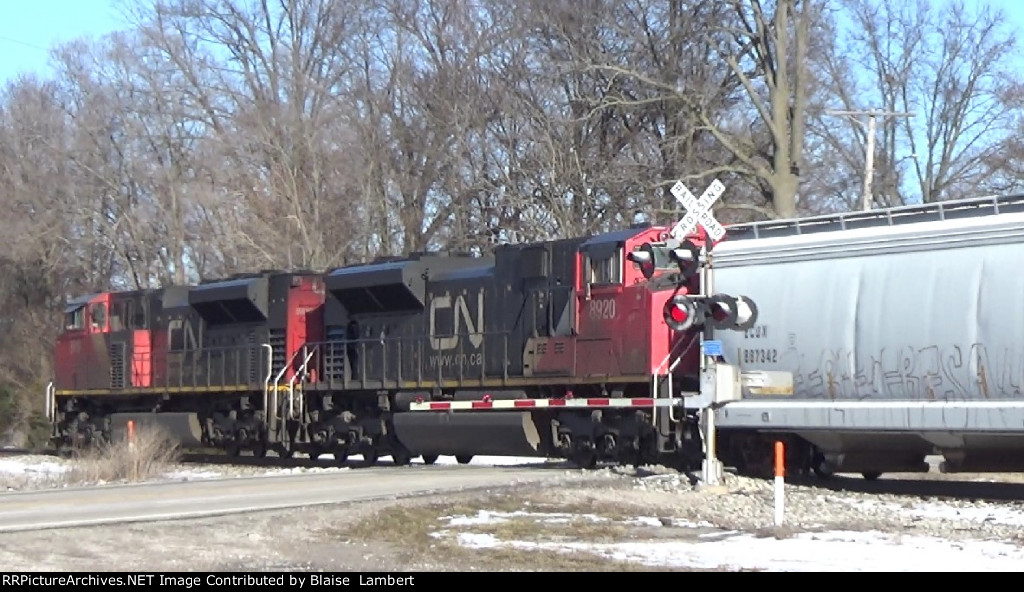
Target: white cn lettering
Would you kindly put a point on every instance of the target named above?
(460, 315)
(188, 334)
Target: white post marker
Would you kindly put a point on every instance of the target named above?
(698, 211)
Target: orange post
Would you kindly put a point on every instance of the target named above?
(780, 474)
(131, 431)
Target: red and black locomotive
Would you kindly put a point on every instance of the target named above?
(586, 348)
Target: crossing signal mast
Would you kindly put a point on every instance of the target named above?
(705, 310)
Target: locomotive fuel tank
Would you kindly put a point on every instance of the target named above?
(469, 434)
(902, 337)
(184, 428)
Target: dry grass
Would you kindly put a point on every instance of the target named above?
(409, 527)
(150, 452)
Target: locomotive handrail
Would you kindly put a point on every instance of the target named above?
(179, 368)
(266, 381)
(668, 372)
(291, 384)
(389, 363)
(51, 402)
(277, 385)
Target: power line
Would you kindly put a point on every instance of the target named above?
(25, 43)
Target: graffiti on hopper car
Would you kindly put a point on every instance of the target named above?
(929, 373)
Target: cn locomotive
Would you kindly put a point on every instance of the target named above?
(590, 349)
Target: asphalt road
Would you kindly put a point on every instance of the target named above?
(38, 510)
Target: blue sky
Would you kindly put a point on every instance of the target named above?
(29, 28)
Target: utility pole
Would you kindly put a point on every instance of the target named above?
(869, 165)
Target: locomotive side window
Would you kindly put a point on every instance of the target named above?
(75, 319)
(117, 316)
(98, 315)
(606, 270)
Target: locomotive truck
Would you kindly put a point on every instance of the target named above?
(589, 348)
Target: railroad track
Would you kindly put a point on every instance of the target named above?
(993, 487)
(26, 452)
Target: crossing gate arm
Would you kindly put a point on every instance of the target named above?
(589, 403)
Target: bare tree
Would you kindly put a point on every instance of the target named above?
(679, 72)
(42, 258)
(265, 81)
(951, 66)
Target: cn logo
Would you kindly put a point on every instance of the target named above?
(460, 315)
(181, 335)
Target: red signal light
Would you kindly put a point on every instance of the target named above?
(681, 313)
(678, 314)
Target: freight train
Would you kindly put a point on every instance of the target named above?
(588, 349)
(865, 341)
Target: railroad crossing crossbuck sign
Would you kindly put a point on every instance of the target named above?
(698, 211)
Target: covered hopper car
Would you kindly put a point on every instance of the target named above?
(902, 329)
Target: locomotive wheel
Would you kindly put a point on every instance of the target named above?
(401, 455)
(463, 459)
(585, 459)
(340, 456)
(283, 451)
(369, 459)
(233, 449)
(871, 475)
(260, 450)
(429, 459)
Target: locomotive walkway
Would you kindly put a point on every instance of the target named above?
(64, 508)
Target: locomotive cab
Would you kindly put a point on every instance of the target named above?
(81, 350)
(625, 282)
(106, 343)
(87, 315)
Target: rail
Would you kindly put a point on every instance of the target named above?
(931, 212)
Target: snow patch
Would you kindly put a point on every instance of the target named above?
(31, 465)
(831, 551)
